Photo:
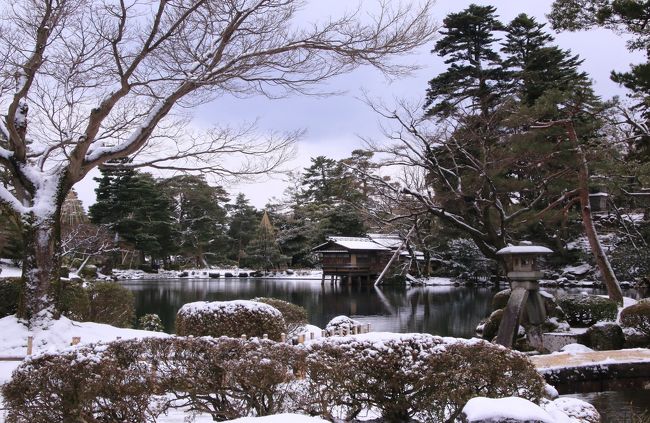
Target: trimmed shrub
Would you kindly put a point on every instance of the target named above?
(71, 299)
(587, 310)
(151, 322)
(103, 383)
(229, 318)
(637, 316)
(111, 303)
(295, 317)
(339, 323)
(412, 376)
(9, 295)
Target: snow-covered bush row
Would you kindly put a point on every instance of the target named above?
(230, 318)
(295, 317)
(412, 376)
(637, 316)
(136, 380)
(586, 310)
(401, 376)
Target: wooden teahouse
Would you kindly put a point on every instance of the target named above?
(353, 258)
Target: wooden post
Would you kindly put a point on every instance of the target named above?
(395, 255)
(75, 340)
(243, 337)
(265, 336)
(30, 345)
(311, 335)
(322, 281)
(283, 337)
(323, 333)
(301, 339)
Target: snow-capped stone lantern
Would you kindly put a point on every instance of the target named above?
(523, 272)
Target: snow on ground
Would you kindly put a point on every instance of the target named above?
(9, 269)
(434, 281)
(561, 410)
(129, 274)
(490, 409)
(577, 270)
(56, 335)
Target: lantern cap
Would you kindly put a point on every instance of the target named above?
(524, 249)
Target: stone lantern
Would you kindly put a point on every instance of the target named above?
(523, 272)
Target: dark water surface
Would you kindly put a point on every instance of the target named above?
(446, 311)
(619, 406)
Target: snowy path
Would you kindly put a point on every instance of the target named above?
(581, 359)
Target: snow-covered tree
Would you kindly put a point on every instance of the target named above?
(86, 82)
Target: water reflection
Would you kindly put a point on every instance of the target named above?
(446, 311)
(619, 406)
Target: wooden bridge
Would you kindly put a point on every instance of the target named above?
(596, 371)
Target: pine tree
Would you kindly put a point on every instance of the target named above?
(135, 208)
(263, 251)
(200, 215)
(242, 226)
(475, 73)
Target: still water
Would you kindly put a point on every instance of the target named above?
(445, 311)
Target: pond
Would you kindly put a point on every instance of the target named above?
(446, 311)
(439, 310)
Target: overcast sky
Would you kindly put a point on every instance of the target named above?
(334, 124)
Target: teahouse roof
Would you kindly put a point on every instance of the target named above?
(524, 249)
(353, 243)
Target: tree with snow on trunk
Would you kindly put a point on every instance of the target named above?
(84, 83)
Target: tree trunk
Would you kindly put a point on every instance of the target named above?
(611, 283)
(41, 265)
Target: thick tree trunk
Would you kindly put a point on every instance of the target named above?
(41, 265)
(611, 283)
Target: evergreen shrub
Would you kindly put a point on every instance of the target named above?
(151, 322)
(587, 310)
(71, 299)
(111, 303)
(295, 317)
(413, 376)
(637, 316)
(229, 318)
(9, 295)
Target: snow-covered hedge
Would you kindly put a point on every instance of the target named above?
(136, 380)
(637, 316)
(587, 310)
(407, 376)
(295, 317)
(94, 384)
(229, 318)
